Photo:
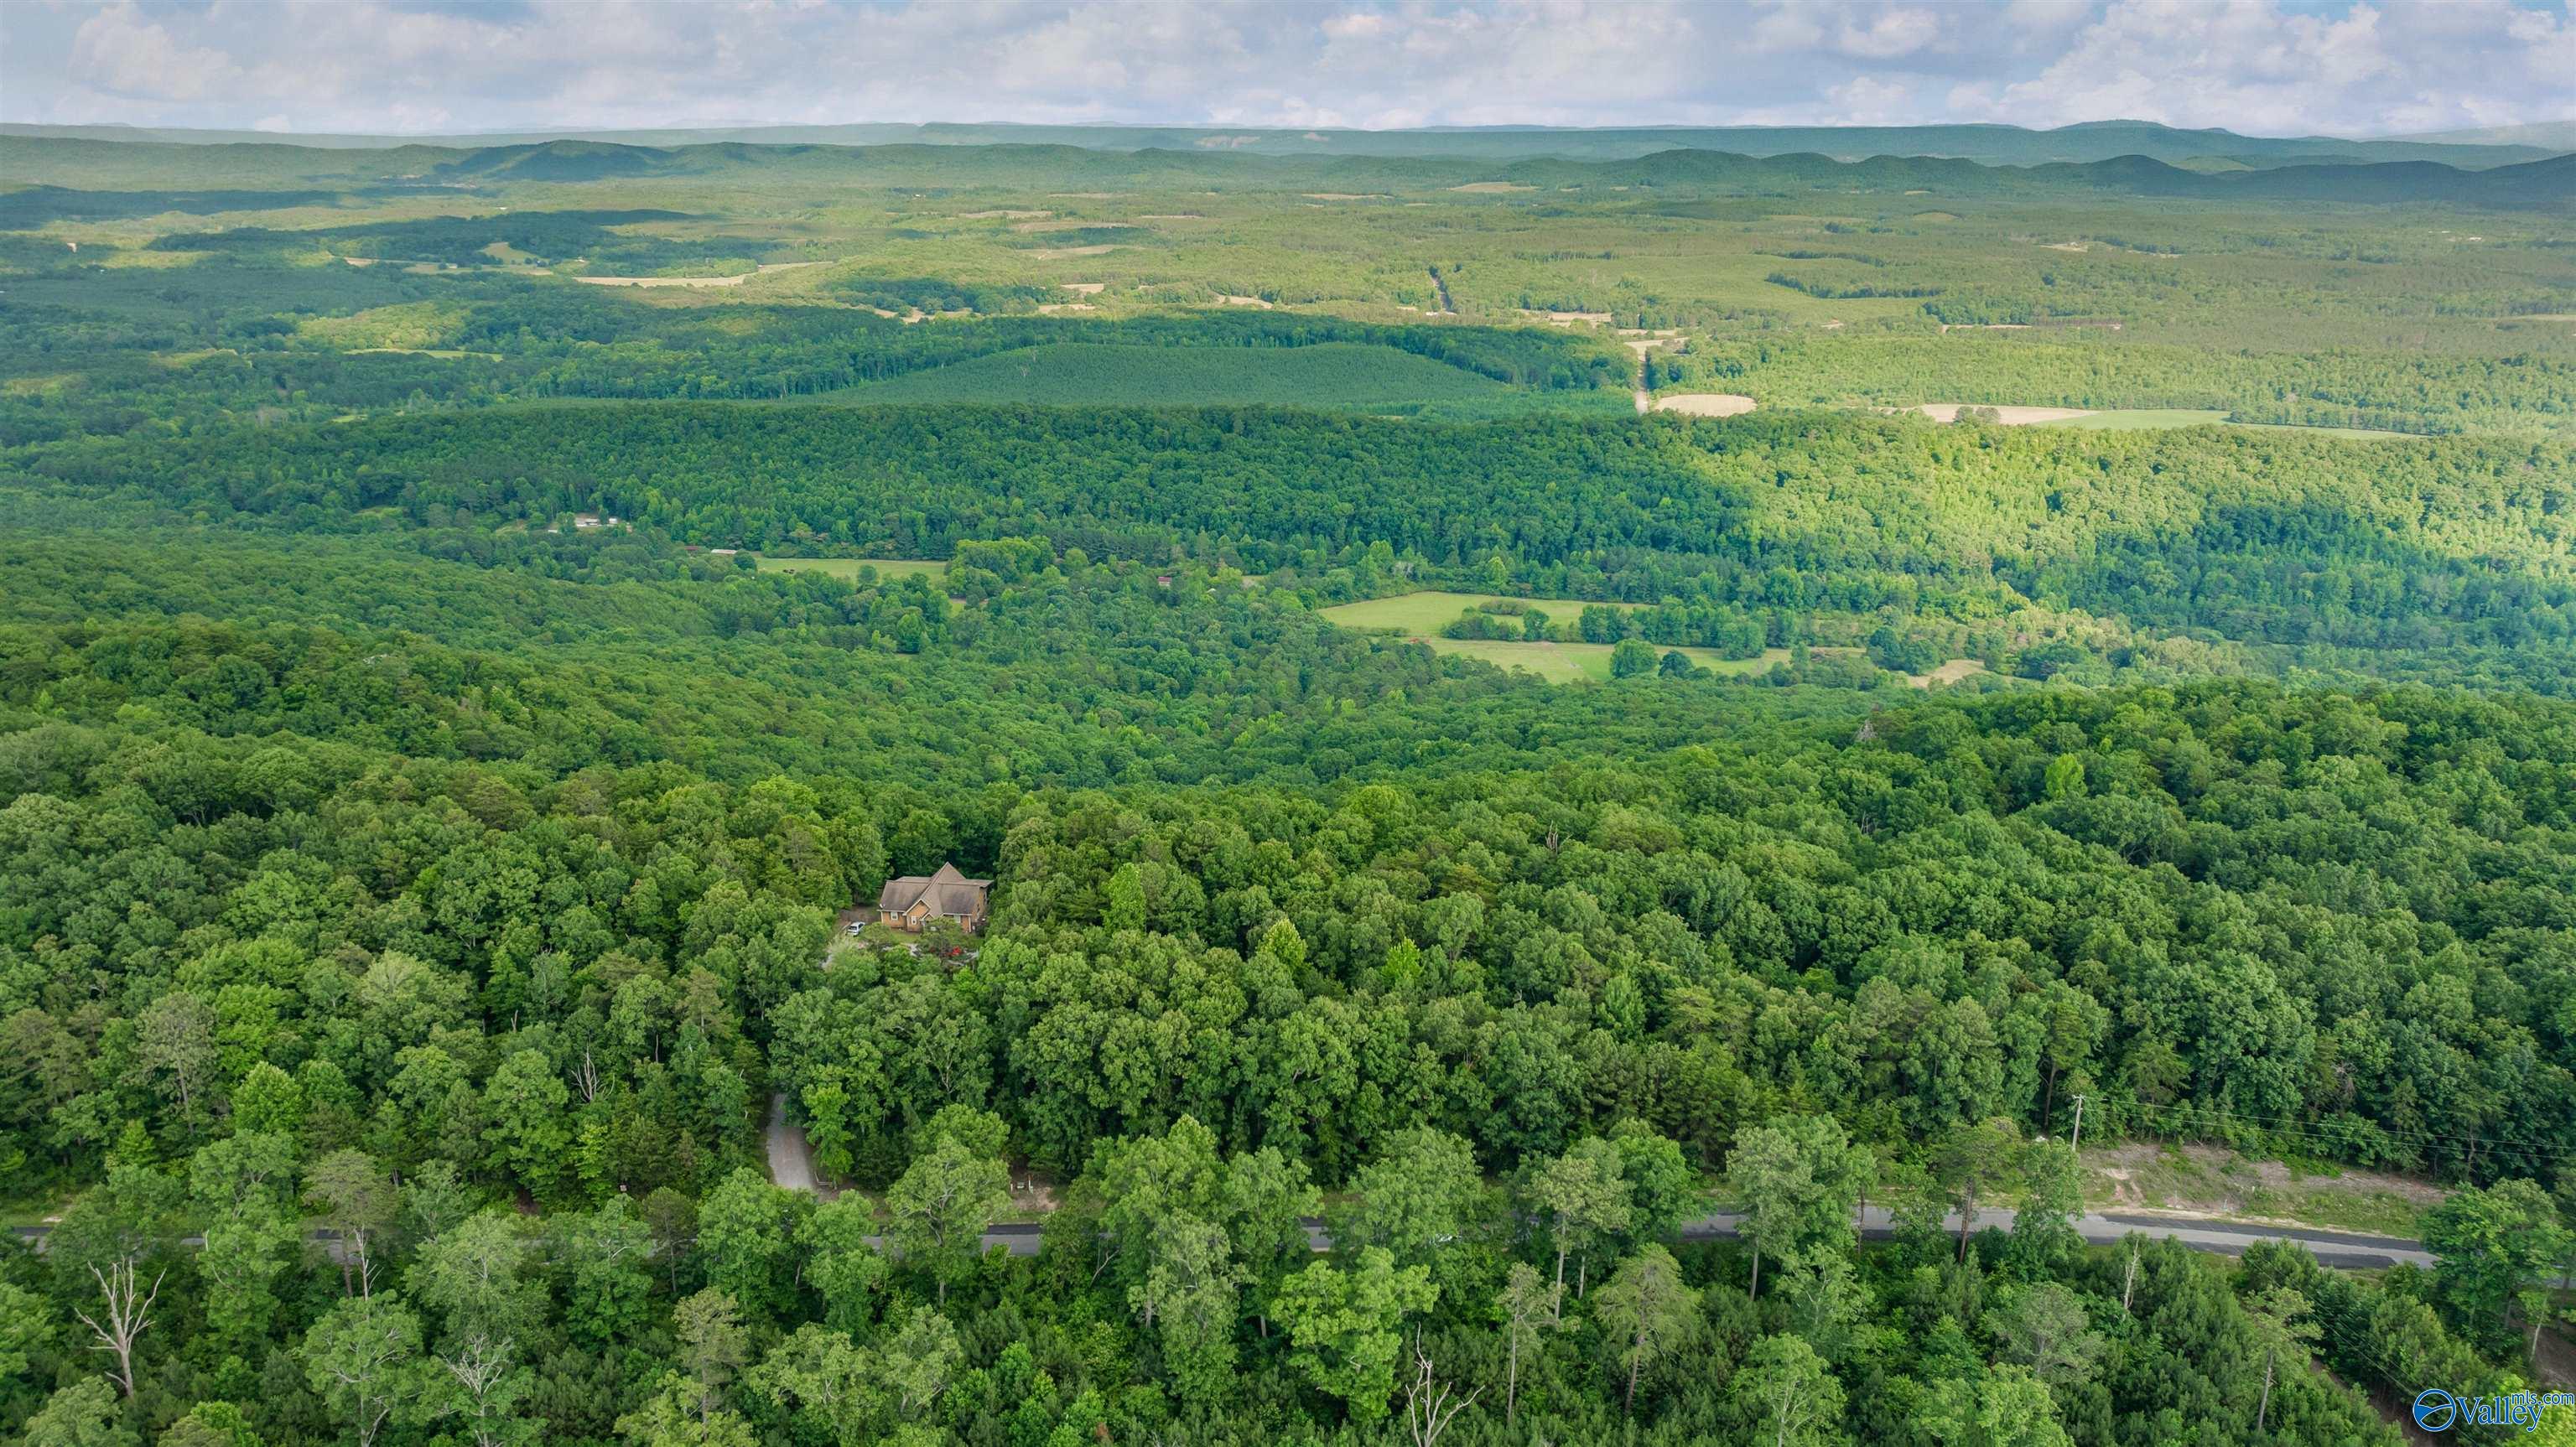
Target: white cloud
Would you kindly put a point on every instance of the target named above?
(2252, 65)
(1889, 34)
(383, 65)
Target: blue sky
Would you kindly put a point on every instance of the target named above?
(2258, 66)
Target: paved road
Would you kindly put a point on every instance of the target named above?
(791, 1159)
(2226, 1238)
(2344, 1249)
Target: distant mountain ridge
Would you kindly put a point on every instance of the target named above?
(1989, 144)
(95, 170)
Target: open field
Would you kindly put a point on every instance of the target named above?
(849, 567)
(2149, 418)
(736, 279)
(1705, 404)
(2140, 419)
(1574, 662)
(2207, 1180)
(1948, 673)
(1425, 612)
(2009, 416)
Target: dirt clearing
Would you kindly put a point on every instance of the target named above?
(1243, 301)
(1491, 188)
(2206, 1180)
(1706, 404)
(1948, 673)
(1003, 215)
(1084, 288)
(2008, 416)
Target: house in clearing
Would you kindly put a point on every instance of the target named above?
(916, 899)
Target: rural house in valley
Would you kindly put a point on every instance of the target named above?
(916, 899)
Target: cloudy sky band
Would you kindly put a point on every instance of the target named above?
(428, 66)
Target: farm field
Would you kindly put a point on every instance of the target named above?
(1426, 611)
(1577, 662)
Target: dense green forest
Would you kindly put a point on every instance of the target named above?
(2390, 558)
(428, 807)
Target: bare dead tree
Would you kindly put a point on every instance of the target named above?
(585, 1078)
(479, 1369)
(128, 1312)
(1430, 1404)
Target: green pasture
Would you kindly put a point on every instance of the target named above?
(1426, 612)
(887, 568)
(1568, 662)
(2144, 419)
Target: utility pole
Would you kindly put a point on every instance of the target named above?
(2077, 1138)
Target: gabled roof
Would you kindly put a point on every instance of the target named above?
(947, 892)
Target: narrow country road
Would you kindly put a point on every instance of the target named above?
(2342, 1249)
(791, 1158)
(2351, 1251)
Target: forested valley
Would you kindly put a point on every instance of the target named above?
(454, 719)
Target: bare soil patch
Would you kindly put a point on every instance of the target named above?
(1490, 188)
(2209, 1181)
(1948, 673)
(1050, 308)
(2008, 416)
(1084, 288)
(1000, 215)
(1706, 404)
(1071, 223)
(1567, 319)
(1244, 301)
